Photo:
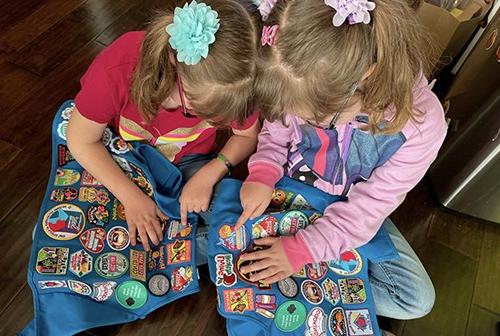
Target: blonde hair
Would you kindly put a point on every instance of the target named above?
(220, 87)
(313, 66)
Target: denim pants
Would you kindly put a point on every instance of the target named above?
(401, 288)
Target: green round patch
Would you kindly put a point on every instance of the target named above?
(131, 294)
(290, 316)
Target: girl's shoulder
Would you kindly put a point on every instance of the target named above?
(124, 51)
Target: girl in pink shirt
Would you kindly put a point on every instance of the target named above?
(350, 112)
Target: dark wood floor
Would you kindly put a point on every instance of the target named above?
(46, 45)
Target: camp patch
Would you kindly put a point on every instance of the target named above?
(111, 265)
(52, 260)
(239, 300)
(179, 252)
(138, 265)
(80, 263)
(64, 222)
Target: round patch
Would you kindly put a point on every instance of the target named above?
(118, 238)
(331, 291)
(111, 265)
(64, 222)
(312, 292)
(66, 177)
(65, 194)
(317, 271)
(290, 316)
(350, 263)
(118, 146)
(291, 222)
(181, 278)
(234, 240)
(61, 129)
(93, 240)
(131, 294)
(265, 227)
(278, 198)
(66, 113)
(103, 290)
(158, 285)
(288, 287)
(98, 215)
(79, 287)
(106, 136)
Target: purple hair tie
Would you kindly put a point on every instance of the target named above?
(355, 11)
(266, 7)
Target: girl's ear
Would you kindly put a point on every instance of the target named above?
(370, 71)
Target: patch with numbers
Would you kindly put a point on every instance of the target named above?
(118, 210)
(66, 113)
(181, 278)
(52, 260)
(102, 291)
(337, 323)
(107, 135)
(80, 263)
(93, 195)
(290, 316)
(79, 287)
(118, 238)
(178, 230)
(265, 227)
(63, 155)
(131, 294)
(359, 322)
(234, 240)
(118, 146)
(288, 287)
(52, 284)
(62, 128)
(138, 265)
(224, 270)
(111, 265)
(291, 222)
(156, 259)
(246, 276)
(93, 240)
(98, 215)
(238, 300)
(316, 322)
(331, 291)
(66, 194)
(66, 177)
(317, 271)
(179, 252)
(349, 263)
(64, 222)
(312, 292)
(158, 285)
(89, 181)
(265, 301)
(352, 291)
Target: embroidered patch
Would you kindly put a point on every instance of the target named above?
(312, 292)
(299, 203)
(63, 222)
(337, 322)
(246, 276)
(177, 230)
(350, 263)
(290, 316)
(156, 259)
(88, 180)
(66, 113)
(317, 271)
(66, 194)
(138, 265)
(288, 287)
(238, 300)
(265, 301)
(80, 263)
(316, 322)
(163, 225)
(265, 227)
(158, 285)
(331, 291)
(179, 252)
(118, 210)
(111, 265)
(352, 291)
(93, 240)
(263, 312)
(52, 260)
(66, 177)
(301, 273)
(102, 291)
(106, 136)
(98, 215)
(314, 217)
(124, 165)
(118, 238)
(291, 222)
(131, 294)
(63, 155)
(234, 240)
(181, 278)
(143, 183)
(359, 322)
(62, 128)
(79, 287)
(92, 195)
(52, 284)
(118, 146)
(224, 272)
(281, 199)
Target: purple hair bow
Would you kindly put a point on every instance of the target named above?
(355, 11)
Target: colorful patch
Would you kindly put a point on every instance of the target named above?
(163, 225)
(80, 263)
(158, 285)
(312, 292)
(66, 194)
(299, 203)
(131, 294)
(89, 181)
(265, 301)
(301, 273)
(52, 284)
(281, 199)
(66, 177)
(331, 291)
(123, 163)
(156, 259)
(92, 195)
(111, 265)
(178, 230)
(179, 252)
(291, 222)
(138, 265)
(234, 240)
(118, 238)
(266, 313)
(246, 276)
(118, 146)
(350, 263)
(63, 155)
(93, 240)
(288, 287)
(352, 291)
(337, 322)
(317, 271)
(52, 260)
(265, 227)
(224, 272)
(98, 215)
(290, 316)
(62, 128)
(238, 300)
(102, 291)
(66, 113)
(314, 217)
(64, 222)
(143, 183)
(106, 136)
(316, 322)
(79, 287)
(181, 278)
(118, 210)
(359, 322)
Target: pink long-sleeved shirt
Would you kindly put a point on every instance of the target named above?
(375, 172)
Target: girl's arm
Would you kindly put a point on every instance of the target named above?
(84, 142)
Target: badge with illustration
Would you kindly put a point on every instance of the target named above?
(337, 322)
(102, 291)
(79, 287)
(224, 270)
(178, 230)
(352, 291)
(118, 210)
(265, 313)
(52, 260)
(316, 322)
(118, 238)
(265, 301)
(88, 180)
(80, 263)
(301, 273)
(66, 194)
(359, 322)
(299, 203)
(62, 128)
(156, 259)
(234, 240)
(246, 276)
(291, 222)
(288, 287)
(118, 146)
(92, 195)
(181, 278)
(281, 199)
(349, 263)
(52, 284)
(331, 291)
(111, 265)
(312, 292)
(93, 240)
(179, 252)
(66, 177)
(107, 135)
(98, 215)
(131, 294)
(290, 316)
(143, 183)
(138, 265)
(317, 271)
(66, 113)
(238, 300)
(124, 165)
(63, 155)
(314, 217)
(64, 222)
(158, 285)
(265, 227)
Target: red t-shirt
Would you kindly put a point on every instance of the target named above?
(105, 98)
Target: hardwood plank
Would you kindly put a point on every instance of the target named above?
(13, 13)
(18, 314)
(30, 27)
(482, 322)
(453, 276)
(487, 291)
(8, 153)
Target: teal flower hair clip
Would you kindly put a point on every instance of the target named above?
(192, 31)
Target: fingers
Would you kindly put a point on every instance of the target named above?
(160, 214)
(132, 231)
(152, 229)
(265, 274)
(257, 255)
(257, 266)
(275, 278)
(184, 211)
(245, 215)
(267, 241)
(144, 237)
(157, 227)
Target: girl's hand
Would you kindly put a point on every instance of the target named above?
(270, 265)
(255, 197)
(142, 216)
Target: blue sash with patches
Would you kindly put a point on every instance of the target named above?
(82, 271)
(331, 298)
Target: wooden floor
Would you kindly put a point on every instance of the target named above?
(46, 45)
